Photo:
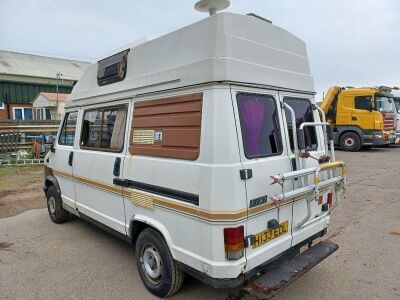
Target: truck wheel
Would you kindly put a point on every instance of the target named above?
(367, 147)
(350, 141)
(159, 272)
(54, 205)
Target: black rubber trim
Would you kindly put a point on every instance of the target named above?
(158, 190)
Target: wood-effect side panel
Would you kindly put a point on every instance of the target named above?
(169, 127)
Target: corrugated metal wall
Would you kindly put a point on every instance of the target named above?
(13, 92)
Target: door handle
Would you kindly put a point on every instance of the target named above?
(117, 166)
(70, 158)
(354, 118)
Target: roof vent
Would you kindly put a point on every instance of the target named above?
(112, 69)
(259, 17)
(211, 6)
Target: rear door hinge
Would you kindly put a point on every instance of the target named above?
(246, 174)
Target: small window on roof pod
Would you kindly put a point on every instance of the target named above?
(112, 69)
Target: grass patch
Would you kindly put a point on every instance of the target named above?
(11, 170)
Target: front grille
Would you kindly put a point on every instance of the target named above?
(388, 121)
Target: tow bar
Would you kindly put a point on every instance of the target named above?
(268, 284)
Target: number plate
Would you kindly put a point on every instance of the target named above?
(268, 235)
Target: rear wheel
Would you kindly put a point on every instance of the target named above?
(350, 141)
(54, 206)
(159, 272)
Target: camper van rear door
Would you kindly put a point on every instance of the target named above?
(262, 141)
(112, 69)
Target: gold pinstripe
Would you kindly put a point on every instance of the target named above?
(150, 201)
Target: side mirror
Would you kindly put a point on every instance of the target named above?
(52, 149)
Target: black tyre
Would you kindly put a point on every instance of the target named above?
(159, 272)
(54, 205)
(350, 141)
(368, 147)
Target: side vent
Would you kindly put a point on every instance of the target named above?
(112, 69)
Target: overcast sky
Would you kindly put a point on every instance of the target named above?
(349, 42)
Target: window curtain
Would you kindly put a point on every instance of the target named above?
(252, 117)
(118, 134)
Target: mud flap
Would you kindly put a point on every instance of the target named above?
(267, 285)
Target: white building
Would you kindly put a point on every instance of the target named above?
(49, 106)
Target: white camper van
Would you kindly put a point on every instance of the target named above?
(205, 149)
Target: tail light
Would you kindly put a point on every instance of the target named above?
(330, 199)
(234, 242)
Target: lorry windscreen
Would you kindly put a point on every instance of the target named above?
(397, 104)
(384, 103)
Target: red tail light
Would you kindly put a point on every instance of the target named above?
(330, 199)
(234, 242)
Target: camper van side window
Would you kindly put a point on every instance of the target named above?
(104, 129)
(260, 125)
(304, 113)
(67, 134)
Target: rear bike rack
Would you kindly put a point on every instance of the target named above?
(311, 192)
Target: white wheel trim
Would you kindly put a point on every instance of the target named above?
(349, 142)
(152, 263)
(52, 204)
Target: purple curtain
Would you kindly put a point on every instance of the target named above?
(252, 117)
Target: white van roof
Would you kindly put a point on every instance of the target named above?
(224, 47)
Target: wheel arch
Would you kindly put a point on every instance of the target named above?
(345, 129)
(51, 180)
(140, 222)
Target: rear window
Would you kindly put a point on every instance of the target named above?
(260, 125)
(304, 113)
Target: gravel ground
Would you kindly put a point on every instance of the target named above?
(14, 183)
(41, 260)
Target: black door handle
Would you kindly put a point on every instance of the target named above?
(70, 158)
(117, 166)
(354, 118)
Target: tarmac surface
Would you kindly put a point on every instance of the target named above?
(42, 260)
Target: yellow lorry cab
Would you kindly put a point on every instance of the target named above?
(360, 117)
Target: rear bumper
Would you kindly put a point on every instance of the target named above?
(276, 278)
(254, 273)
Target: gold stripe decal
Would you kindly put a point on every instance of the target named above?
(149, 201)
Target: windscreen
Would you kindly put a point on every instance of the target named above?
(384, 103)
(397, 104)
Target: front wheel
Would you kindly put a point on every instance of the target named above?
(159, 272)
(350, 141)
(54, 205)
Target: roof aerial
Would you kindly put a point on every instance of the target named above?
(211, 6)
